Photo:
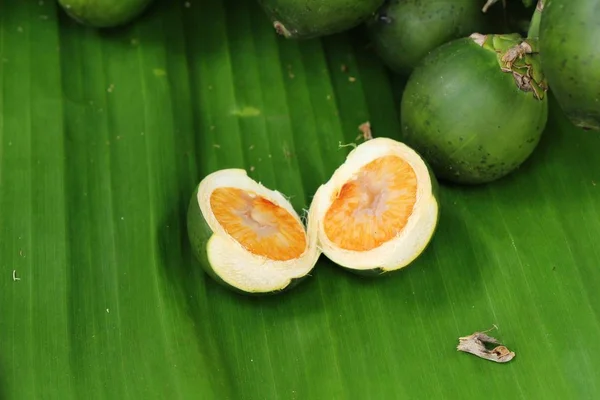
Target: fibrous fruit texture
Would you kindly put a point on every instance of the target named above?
(248, 237)
(379, 210)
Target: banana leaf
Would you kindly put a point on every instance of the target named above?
(104, 135)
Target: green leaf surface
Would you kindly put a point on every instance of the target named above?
(103, 137)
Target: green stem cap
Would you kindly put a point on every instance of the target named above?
(518, 57)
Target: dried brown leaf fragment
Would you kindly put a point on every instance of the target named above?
(476, 344)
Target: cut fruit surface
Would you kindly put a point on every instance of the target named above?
(258, 224)
(246, 236)
(379, 209)
(373, 206)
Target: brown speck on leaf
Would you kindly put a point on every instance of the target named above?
(365, 128)
(290, 72)
(344, 68)
(476, 344)
(352, 79)
(281, 29)
(287, 153)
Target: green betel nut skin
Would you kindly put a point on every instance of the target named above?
(104, 13)
(476, 107)
(305, 19)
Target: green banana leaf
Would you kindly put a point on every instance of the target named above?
(104, 136)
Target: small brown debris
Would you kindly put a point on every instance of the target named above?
(476, 344)
(344, 68)
(365, 128)
(281, 29)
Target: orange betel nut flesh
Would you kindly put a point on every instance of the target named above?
(262, 227)
(374, 206)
